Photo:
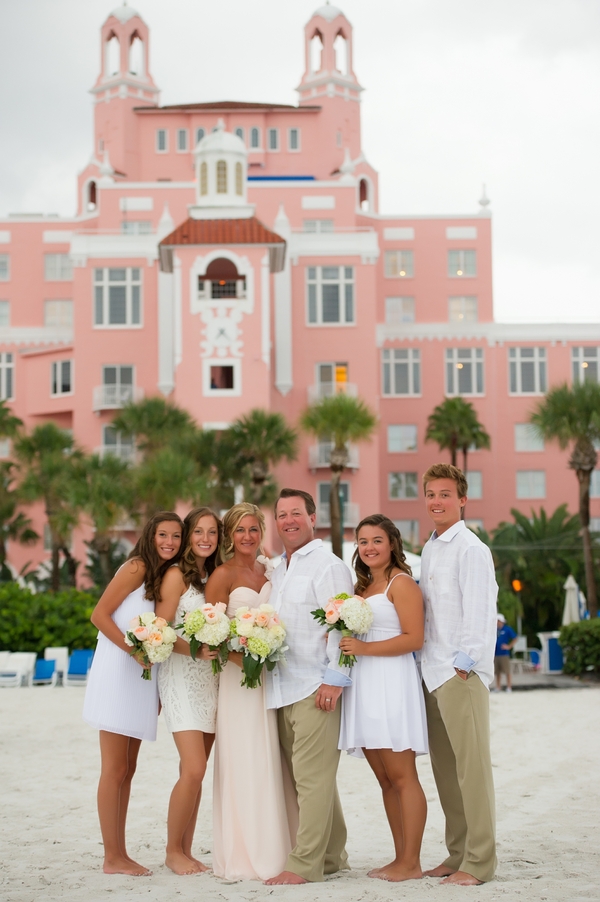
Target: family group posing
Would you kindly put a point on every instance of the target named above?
(277, 816)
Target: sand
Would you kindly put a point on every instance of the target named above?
(545, 747)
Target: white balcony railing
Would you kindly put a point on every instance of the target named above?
(123, 452)
(320, 456)
(113, 397)
(329, 389)
(350, 516)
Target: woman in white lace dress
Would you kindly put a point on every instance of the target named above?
(188, 689)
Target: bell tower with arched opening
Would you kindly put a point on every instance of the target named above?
(124, 82)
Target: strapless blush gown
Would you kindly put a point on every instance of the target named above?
(251, 833)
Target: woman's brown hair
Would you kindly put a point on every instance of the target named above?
(188, 563)
(397, 559)
(232, 519)
(145, 551)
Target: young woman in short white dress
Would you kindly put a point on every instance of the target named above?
(383, 713)
(188, 688)
(118, 702)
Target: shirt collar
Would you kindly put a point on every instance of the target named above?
(306, 549)
(449, 533)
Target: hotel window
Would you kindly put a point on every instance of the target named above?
(118, 296)
(464, 371)
(224, 378)
(317, 225)
(403, 486)
(199, 134)
(294, 139)
(117, 382)
(273, 139)
(462, 309)
(595, 484)
(254, 138)
(527, 371)
(594, 521)
(182, 140)
(399, 310)
(117, 443)
(61, 377)
(162, 144)
(4, 313)
(475, 483)
(527, 438)
(240, 133)
(221, 177)
(409, 531)
(462, 263)
(399, 264)
(203, 178)
(4, 267)
(330, 294)
(136, 227)
(239, 179)
(332, 379)
(58, 313)
(586, 364)
(323, 509)
(7, 377)
(401, 371)
(58, 268)
(474, 525)
(402, 438)
(531, 484)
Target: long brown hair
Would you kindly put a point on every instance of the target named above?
(145, 551)
(397, 559)
(232, 519)
(188, 563)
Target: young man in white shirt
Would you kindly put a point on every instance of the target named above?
(306, 691)
(457, 663)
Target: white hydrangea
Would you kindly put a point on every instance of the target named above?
(357, 615)
(159, 653)
(214, 633)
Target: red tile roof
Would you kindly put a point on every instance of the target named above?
(222, 231)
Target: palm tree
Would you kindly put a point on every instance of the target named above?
(257, 441)
(14, 526)
(51, 467)
(154, 422)
(105, 493)
(165, 477)
(454, 426)
(572, 415)
(342, 419)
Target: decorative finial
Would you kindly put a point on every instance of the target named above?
(484, 200)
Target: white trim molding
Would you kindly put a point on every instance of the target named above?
(363, 244)
(492, 333)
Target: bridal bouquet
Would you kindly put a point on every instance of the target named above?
(153, 637)
(348, 613)
(209, 625)
(259, 635)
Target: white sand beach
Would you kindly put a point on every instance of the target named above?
(545, 753)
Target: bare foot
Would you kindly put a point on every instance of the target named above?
(399, 873)
(442, 870)
(285, 878)
(375, 872)
(200, 865)
(125, 865)
(182, 865)
(461, 878)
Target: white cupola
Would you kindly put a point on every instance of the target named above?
(221, 166)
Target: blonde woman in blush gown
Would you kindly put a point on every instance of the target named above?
(251, 832)
(188, 689)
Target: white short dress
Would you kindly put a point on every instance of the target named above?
(188, 689)
(384, 707)
(117, 699)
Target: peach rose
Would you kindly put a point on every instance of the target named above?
(332, 613)
(160, 623)
(210, 615)
(140, 632)
(243, 640)
(155, 639)
(262, 618)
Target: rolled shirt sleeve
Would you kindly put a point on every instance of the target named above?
(477, 581)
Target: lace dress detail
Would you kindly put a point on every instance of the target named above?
(188, 689)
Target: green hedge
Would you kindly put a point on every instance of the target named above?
(581, 647)
(31, 622)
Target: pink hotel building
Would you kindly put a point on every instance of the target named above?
(232, 255)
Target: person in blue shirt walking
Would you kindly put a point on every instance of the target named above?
(505, 640)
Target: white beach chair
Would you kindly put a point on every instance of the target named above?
(4, 659)
(60, 654)
(24, 663)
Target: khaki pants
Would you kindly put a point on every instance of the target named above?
(309, 739)
(459, 744)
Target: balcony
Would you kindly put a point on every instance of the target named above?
(123, 452)
(319, 456)
(113, 397)
(350, 516)
(329, 389)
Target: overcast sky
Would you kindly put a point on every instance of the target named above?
(458, 93)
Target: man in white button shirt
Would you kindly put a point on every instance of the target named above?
(457, 663)
(307, 689)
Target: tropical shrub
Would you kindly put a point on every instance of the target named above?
(31, 622)
(581, 647)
